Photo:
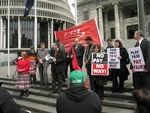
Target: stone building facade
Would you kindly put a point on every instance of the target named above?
(52, 15)
(117, 19)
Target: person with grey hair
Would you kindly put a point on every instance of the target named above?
(142, 79)
(77, 98)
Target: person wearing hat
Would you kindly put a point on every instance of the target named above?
(88, 54)
(33, 60)
(77, 98)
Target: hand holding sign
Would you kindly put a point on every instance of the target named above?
(137, 59)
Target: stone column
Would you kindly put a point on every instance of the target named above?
(117, 23)
(52, 32)
(121, 23)
(1, 32)
(106, 25)
(64, 26)
(49, 32)
(100, 17)
(19, 33)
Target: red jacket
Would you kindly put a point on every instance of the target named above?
(23, 64)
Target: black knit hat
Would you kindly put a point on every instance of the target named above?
(88, 38)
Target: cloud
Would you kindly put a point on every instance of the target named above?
(72, 8)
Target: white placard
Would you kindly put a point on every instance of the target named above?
(136, 58)
(114, 62)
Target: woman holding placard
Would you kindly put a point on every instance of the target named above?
(99, 81)
(123, 72)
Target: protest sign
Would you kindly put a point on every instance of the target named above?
(136, 58)
(100, 65)
(114, 62)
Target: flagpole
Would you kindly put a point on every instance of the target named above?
(76, 22)
(35, 25)
(8, 45)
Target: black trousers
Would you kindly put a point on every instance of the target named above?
(56, 77)
(66, 66)
(117, 86)
(141, 80)
(99, 90)
(33, 78)
(91, 78)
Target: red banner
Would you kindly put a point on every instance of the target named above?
(74, 61)
(88, 28)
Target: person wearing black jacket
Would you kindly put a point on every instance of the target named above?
(77, 98)
(7, 104)
(109, 42)
(123, 72)
(57, 67)
(142, 79)
(79, 52)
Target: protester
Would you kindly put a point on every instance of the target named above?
(142, 100)
(123, 72)
(57, 67)
(99, 81)
(109, 42)
(8, 105)
(33, 61)
(110, 45)
(77, 98)
(142, 79)
(43, 65)
(62, 47)
(23, 81)
(88, 54)
(79, 52)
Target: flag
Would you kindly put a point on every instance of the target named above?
(28, 7)
(81, 31)
(74, 61)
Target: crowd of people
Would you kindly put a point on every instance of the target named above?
(81, 91)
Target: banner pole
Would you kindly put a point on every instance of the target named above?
(8, 45)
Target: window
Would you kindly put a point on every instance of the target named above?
(113, 35)
(148, 28)
(86, 15)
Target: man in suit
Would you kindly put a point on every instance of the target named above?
(43, 65)
(88, 55)
(142, 79)
(79, 52)
(57, 67)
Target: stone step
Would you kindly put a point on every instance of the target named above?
(36, 89)
(35, 107)
(44, 97)
(46, 92)
(127, 87)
